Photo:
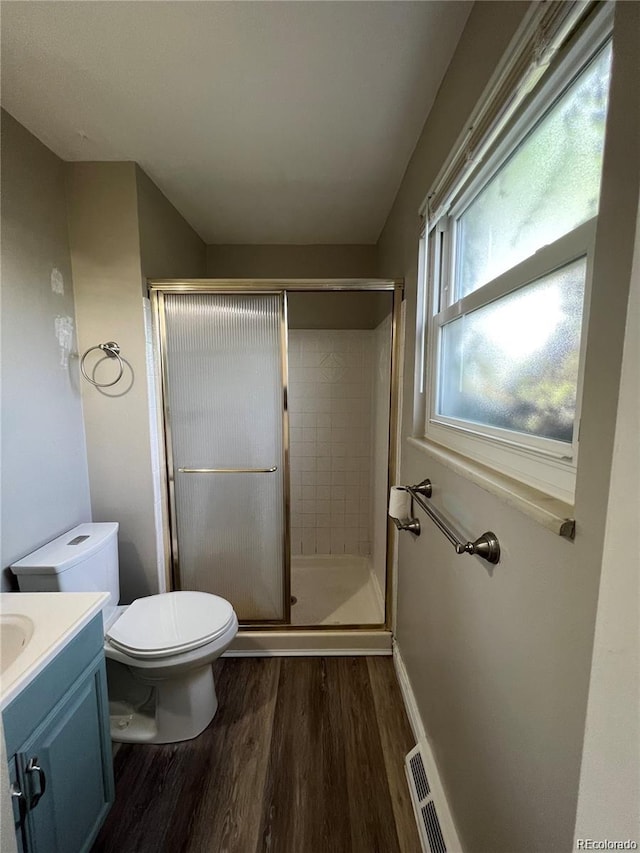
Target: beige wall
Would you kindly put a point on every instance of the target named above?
(122, 228)
(499, 658)
(610, 773)
(337, 310)
(105, 253)
(45, 488)
(256, 261)
(169, 247)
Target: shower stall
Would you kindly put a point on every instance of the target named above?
(279, 404)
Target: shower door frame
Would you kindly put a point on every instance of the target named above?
(157, 288)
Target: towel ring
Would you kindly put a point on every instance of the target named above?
(112, 350)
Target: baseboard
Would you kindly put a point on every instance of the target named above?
(309, 643)
(417, 727)
(410, 704)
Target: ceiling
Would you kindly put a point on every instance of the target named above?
(262, 122)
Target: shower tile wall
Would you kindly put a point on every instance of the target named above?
(330, 400)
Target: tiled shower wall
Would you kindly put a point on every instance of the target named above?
(331, 377)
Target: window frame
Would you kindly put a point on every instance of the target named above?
(545, 464)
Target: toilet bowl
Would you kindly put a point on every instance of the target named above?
(166, 642)
(159, 649)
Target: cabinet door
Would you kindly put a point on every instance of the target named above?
(67, 771)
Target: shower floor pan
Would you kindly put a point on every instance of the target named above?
(335, 590)
(331, 592)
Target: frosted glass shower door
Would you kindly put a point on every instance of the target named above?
(224, 392)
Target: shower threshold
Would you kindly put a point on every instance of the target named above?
(339, 610)
(291, 642)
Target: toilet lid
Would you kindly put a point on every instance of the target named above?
(170, 622)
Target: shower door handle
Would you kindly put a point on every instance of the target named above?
(227, 470)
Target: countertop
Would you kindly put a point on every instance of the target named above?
(57, 618)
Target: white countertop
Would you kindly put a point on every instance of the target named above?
(57, 618)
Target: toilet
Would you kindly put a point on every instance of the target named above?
(159, 649)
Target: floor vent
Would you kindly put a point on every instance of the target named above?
(419, 775)
(430, 808)
(432, 828)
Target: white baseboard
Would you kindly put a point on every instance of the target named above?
(410, 704)
(419, 733)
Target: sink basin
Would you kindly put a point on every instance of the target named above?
(15, 633)
(34, 627)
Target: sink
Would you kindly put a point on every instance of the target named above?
(34, 627)
(15, 633)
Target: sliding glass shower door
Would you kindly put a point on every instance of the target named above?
(223, 373)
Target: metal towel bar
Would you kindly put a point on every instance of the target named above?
(485, 546)
(227, 470)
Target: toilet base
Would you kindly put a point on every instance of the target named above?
(144, 710)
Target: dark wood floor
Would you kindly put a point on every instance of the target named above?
(305, 755)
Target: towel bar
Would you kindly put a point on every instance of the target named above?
(227, 470)
(485, 546)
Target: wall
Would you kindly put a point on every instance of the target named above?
(105, 253)
(337, 309)
(122, 229)
(45, 487)
(256, 261)
(339, 439)
(610, 774)
(499, 659)
(330, 382)
(169, 247)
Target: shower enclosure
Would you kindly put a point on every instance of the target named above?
(278, 399)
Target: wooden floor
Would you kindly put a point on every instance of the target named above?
(305, 755)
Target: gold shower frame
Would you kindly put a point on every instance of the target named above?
(157, 289)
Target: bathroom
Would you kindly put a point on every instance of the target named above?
(497, 665)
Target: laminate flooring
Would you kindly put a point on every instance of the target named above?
(305, 755)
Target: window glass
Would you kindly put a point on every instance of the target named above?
(513, 364)
(548, 187)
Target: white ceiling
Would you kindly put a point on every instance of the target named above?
(263, 122)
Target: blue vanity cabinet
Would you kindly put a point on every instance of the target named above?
(57, 733)
(18, 803)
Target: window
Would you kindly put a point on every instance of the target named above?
(509, 265)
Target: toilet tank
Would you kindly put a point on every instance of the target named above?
(84, 559)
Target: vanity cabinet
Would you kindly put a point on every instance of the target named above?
(59, 749)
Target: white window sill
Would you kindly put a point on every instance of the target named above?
(550, 512)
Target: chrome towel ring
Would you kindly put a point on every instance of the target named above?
(111, 350)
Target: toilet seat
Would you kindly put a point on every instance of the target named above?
(170, 623)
